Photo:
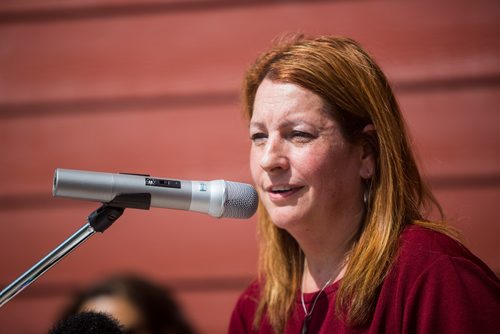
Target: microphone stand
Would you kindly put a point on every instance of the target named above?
(98, 221)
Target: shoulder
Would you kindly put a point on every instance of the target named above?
(250, 296)
(427, 246)
(425, 253)
(441, 284)
(245, 308)
(425, 240)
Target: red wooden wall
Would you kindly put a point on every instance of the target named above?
(152, 87)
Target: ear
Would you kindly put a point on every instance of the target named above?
(368, 158)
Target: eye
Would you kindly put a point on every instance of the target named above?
(301, 136)
(258, 137)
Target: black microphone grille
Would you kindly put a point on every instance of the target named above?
(241, 202)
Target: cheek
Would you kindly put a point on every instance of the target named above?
(325, 170)
(312, 164)
(254, 164)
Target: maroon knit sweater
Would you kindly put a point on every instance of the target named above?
(435, 285)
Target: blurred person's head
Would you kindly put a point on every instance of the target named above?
(139, 305)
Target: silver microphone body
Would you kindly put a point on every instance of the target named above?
(217, 198)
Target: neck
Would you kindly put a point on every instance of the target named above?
(318, 272)
(326, 250)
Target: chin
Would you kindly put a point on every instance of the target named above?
(285, 220)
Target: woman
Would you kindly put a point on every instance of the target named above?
(345, 242)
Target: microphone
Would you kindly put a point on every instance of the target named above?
(217, 198)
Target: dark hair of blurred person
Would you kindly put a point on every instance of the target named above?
(139, 305)
(87, 323)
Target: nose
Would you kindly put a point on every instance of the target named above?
(274, 157)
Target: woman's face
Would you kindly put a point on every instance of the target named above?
(304, 170)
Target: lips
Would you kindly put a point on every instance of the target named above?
(280, 192)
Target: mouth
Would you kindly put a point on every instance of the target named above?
(283, 191)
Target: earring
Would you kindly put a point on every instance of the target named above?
(367, 192)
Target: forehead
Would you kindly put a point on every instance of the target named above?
(279, 101)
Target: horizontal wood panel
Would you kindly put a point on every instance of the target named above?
(455, 133)
(30, 316)
(48, 7)
(197, 144)
(165, 244)
(210, 311)
(472, 212)
(200, 51)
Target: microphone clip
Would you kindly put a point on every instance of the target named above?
(108, 213)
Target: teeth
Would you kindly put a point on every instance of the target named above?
(280, 189)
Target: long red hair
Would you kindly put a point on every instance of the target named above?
(356, 93)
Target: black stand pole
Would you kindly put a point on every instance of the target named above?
(98, 221)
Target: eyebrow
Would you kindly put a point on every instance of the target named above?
(285, 124)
